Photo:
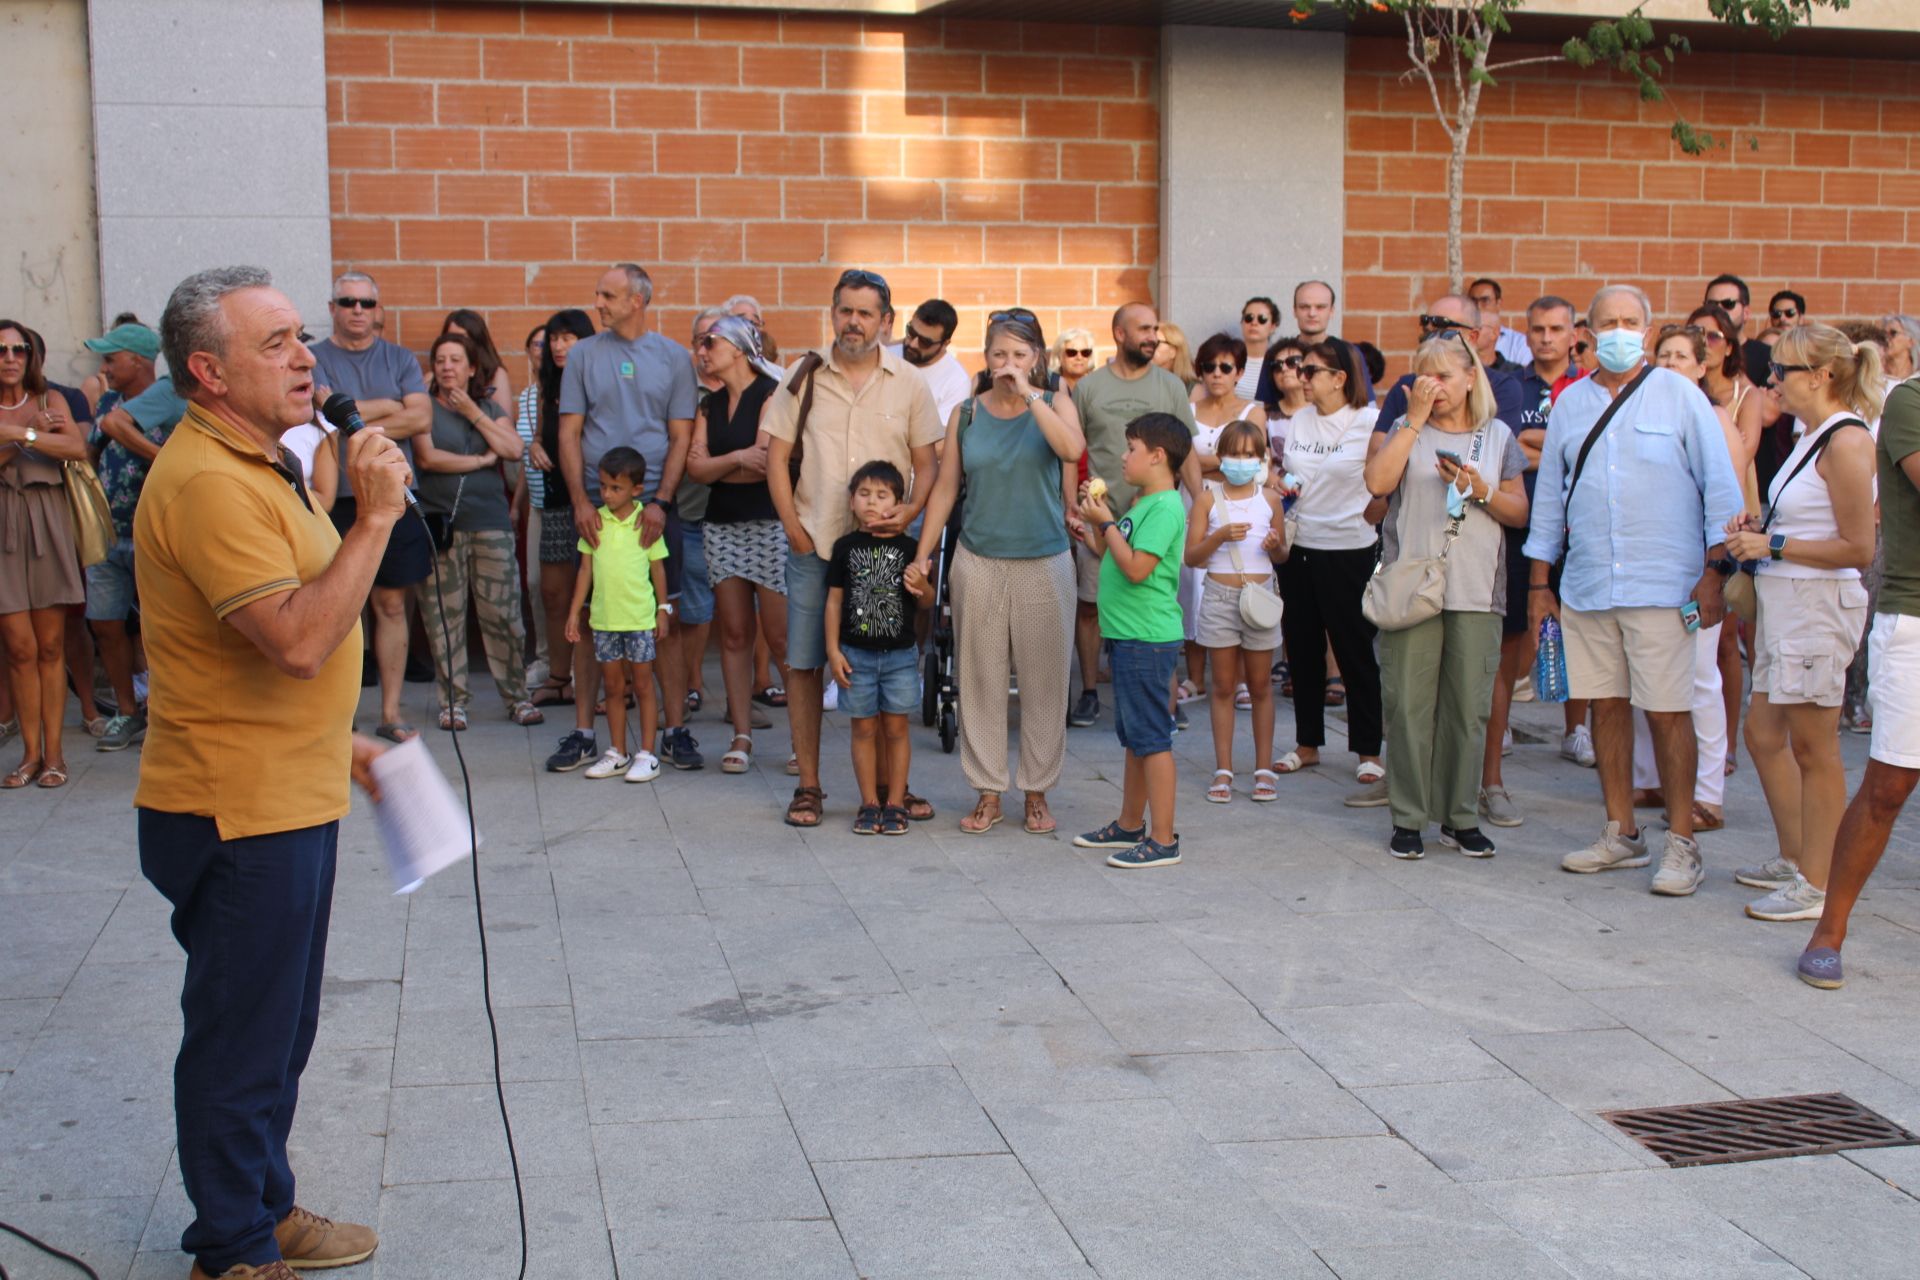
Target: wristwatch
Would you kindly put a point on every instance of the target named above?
(32, 435)
(1776, 545)
(667, 505)
(1725, 566)
(666, 606)
(1036, 395)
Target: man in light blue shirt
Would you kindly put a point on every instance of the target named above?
(1643, 536)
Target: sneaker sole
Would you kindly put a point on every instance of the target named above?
(1760, 882)
(645, 778)
(1450, 843)
(1645, 860)
(1675, 893)
(328, 1264)
(1127, 865)
(1409, 856)
(567, 768)
(1081, 842)
(1507, 823)
(1804, 913)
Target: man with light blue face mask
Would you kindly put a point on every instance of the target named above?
(1635, 487)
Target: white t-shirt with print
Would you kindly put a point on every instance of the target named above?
(1329, 454)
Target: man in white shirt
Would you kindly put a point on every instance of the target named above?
(929, 333)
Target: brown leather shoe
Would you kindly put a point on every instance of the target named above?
(268, 1271)
(310, 1242)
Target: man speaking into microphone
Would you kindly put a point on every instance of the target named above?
(250, 604)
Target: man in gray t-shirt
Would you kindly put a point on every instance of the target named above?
(627, 385)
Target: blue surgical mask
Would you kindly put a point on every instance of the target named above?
(1239, 471)
(1619, 350)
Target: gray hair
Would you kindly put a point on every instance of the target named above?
(193, 321)
(1633, 291)
(357, 277)
(706, 314)
(638, 281)
(1908, 325)
(1467, 305)
(747, 298)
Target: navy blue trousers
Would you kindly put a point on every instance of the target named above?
(252, 917)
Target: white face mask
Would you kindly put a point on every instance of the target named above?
(1240, 471)
(1619, 350)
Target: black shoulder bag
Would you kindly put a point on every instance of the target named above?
(801, 386)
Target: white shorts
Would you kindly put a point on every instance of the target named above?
(1086, 574)
(1804, 637)
(1220, 626)
(1645, 654)
(1893, 689)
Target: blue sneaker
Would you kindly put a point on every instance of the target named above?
(576, 749)
(1820, 967)
(1148, 853)
(1111, 836)
(679, 749)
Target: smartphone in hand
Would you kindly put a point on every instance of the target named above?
(1690, 615)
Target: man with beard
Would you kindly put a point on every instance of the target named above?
(926, 346)
(839, 409)
(1108, 399)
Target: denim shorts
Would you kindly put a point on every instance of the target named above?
(1143, 693)
(696, 593)
(883, 680)
(110, 592)
(806, 611)
(623, 646)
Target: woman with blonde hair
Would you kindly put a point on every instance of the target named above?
(1175, 354)
(1071, 357)
(1452, 474)
(1806, 555)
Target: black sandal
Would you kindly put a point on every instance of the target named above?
(868, 821)
(893, 821)
(771, 696)
(553, 693)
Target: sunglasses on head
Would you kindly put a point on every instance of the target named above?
(1220, 366)
(348, 304)
(1075, 351)
(1442, 322)
(1785, 313)
(1780, 371)
(1254, 317)
(20, 349)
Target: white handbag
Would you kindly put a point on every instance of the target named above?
(1260, 607)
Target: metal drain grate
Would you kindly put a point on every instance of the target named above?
(1809, 1124)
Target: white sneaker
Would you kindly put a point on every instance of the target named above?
(1578, 747)
(1611, 852)
(645, 767)
(831, 701)
(609, 763)
(1681, 870)
(1506, 743)
(1795, 900)
(1774, 873)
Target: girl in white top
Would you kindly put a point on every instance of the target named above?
(1812, 607)
(1233, 536)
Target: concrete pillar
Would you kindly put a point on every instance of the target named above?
(210, 146)
(1253, 174)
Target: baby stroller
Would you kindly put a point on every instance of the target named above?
(939, 675)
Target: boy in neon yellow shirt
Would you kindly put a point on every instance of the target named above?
(628, 581)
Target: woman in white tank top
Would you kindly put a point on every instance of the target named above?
(1234, 534)
(1808, 553)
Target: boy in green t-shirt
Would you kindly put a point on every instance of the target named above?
(628, 581)
(1140, 620)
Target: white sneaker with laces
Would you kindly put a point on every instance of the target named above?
(1506, 743)
(1774, 873)
(1611, 852)
(1578, 747)
(609, 763)
(645, 767)
(1681, 870)
(1795, 900)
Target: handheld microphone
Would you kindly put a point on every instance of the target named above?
(343, 411)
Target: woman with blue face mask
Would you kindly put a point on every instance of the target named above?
(1452, 476)
(1234, 534)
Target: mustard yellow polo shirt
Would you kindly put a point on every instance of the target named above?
(229, 735)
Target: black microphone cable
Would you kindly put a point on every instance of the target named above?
(45, 1248)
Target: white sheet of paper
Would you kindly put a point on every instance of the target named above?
(421, 821)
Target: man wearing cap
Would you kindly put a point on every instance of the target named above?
(139, 414)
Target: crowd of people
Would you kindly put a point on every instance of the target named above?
(1258, 516)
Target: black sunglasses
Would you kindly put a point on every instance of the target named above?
(1580, 348)
(1780, 371)
(348, 304)
(1250, 318)
(20, 349)
(919, 339)
(1787, 314)
(1084, 355)
(1442, 322)
(1725, 304)
(1220, 366)
(1308, 370)
(856, 278)
(1455, 334)
(1288, 362)
(1012, 313)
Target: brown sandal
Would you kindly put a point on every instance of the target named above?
(806, 809)
(54, 775)
(1040, 820)
(980, 822)
(21, 777)
(918, 810)
(1705, 819)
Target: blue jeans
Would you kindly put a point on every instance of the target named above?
(1143, 692)
(252, 916)
(883, 680)
(696, 593)
(806, 611)
(110, 591)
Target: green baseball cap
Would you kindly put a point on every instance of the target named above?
(136, 338)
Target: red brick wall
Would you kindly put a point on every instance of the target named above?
(501, 156)
(1817, 189)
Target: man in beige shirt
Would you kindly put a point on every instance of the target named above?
(867, 403)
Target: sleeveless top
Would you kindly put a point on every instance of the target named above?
(1206, 439)
(1803, 507)
(1013, 509)
(731, 428)
(1257, 514)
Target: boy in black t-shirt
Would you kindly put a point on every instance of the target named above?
(870, 644)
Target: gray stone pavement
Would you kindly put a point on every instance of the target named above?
(732, 1049)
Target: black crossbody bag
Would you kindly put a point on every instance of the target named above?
(1593, 438)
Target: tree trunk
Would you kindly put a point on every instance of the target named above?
(1456, 185)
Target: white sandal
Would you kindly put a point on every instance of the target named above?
(736, 760)
(1265, 786)
(1188, 692)
(1219, 792)
(793, 765)
(1369, 773)
(1242, 700)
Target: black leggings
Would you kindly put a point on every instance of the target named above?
(1321, 590)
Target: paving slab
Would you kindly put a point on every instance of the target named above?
(1401, 1043)
(887, 1113)
(692, 1249)
(738, 1169)
(1236, 1096)
(1824, 1214)
(1366, 1191)
(1478, 1130)
(1504, 1259)
(680, 1078)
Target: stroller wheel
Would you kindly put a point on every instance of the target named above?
(949, 730)
(930, 685)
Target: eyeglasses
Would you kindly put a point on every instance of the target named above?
(1785, 313)
(19, 349)
(1725, 304)
(1442, 322)
(1012, 313)
(1220, 366)
(1083, 355)
(1714, 337)
(1780, 371)
(1252, 317)
(705, 340)
(1288, 362)
(348, 304)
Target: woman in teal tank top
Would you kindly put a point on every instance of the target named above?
(1016, 447)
